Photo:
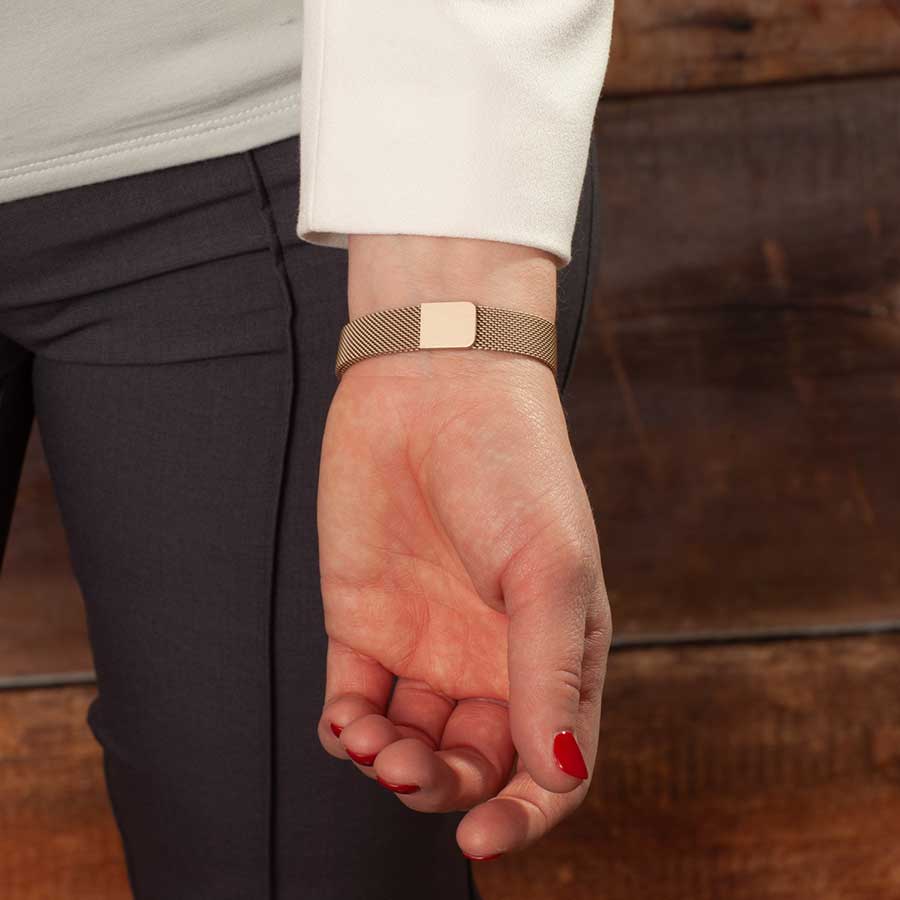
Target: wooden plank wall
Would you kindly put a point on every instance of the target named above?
(662, 46)
(736, 413)
(736, 408)
(57, 837)
(737, 772)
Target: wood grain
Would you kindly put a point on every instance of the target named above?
(760, 772)
(772, 196)
(663, 46)
(58, 840)
(741, 772)
(736, 403)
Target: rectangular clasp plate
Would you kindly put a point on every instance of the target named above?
(450, 324)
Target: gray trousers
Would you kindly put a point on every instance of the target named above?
(176, 341)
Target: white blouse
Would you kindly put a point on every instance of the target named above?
(466, 118)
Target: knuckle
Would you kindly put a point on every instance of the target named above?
(568, 680)
(581, 573)
(600, 625)
(592, 686)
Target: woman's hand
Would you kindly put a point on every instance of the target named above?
(458, 553)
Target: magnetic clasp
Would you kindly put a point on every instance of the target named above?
(450, 324)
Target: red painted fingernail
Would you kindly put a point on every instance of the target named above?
(397, 788)
(336, 729)
(481, 858)
(568, 756)
(364, 759)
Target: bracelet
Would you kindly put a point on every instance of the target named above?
(452, 324)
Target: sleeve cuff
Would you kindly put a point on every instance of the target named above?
(457, 119)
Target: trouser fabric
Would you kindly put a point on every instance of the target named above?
(176, 340)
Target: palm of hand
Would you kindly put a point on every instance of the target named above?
(405, 537)
(427, 491)
(439, 497)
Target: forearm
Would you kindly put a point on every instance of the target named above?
(403, 270)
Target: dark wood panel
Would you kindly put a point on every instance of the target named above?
(741, 772)
(661, 45)
(743, 470)
(768, 196)
(736, 403)
(58, 840)
(42, 627)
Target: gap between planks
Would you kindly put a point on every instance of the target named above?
(620, 645)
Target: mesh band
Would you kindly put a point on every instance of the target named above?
(398, 331)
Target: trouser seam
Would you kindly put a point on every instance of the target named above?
(277, 251)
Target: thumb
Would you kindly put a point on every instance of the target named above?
(555, 612)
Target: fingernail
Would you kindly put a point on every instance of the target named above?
(568, 756)
(481, 858)
(397, 788)
(364, 759)
(336, 729)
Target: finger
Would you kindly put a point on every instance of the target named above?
(355, 686)
(415, 711)
(366, 737)
(435, 781)
(472, 765)
(419, 710)
(519, 815)
(481, 725)
(556, 615)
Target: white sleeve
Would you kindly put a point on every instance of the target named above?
(461, 118)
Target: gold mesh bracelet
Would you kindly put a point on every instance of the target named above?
(447, 324)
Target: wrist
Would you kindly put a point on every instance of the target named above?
(438, 326)
(388, 271)
(461, 366)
